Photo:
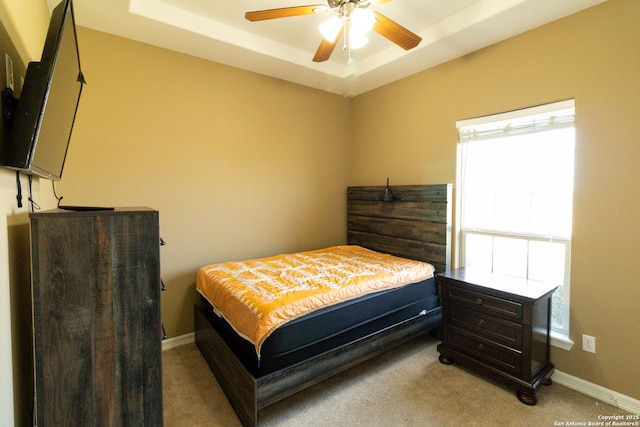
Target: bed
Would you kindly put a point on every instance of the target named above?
(286, 356)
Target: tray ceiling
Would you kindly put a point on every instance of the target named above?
(284, 48)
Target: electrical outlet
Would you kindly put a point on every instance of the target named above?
(589, 343)
(9, 70)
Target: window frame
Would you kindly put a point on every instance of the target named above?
(565, 288)
(560, 337)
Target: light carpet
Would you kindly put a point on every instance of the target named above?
(406, 386)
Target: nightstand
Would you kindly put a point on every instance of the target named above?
(498, 325)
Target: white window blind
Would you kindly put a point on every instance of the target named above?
(542, 118)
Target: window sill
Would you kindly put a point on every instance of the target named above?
(561, 340)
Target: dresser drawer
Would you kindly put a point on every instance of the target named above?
(496, 329)
(503, 358)
(486, 303)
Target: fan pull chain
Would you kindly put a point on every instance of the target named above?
(347, 38)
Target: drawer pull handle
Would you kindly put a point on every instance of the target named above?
(480, 347)
(481, 323)
(479, 301)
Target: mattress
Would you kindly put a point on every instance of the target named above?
(257, 296)
(331, 326)
(334, 326)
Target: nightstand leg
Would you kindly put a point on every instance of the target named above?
(446, 360)
(527, 399)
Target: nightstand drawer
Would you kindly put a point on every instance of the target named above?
(504, 358)
(487, 303)
(494, 328)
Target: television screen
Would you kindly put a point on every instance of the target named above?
(41, 129)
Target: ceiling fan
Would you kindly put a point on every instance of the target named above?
(353, 19)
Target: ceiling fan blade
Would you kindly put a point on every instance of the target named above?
(395, 32)
(326, 48)
(284, 12)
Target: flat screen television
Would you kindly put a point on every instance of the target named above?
(40, 125)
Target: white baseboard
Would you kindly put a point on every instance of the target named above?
(178, 341)
(585, 387)
(601, 393)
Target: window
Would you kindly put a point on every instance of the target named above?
(516, 196)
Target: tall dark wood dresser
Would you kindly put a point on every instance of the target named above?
(498, 325)
(96, 317)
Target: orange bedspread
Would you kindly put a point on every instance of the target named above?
(257, 296)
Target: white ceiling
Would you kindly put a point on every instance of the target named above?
(283, 48)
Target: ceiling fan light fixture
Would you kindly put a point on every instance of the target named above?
(354, 19)
(362, 20)
(357, 40)
(331, 28)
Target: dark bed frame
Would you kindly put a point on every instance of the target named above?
(415, 224)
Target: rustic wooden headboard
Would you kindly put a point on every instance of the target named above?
(416, 224)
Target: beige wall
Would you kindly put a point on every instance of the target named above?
(238, 165)
(593, 56)
(241, 165)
